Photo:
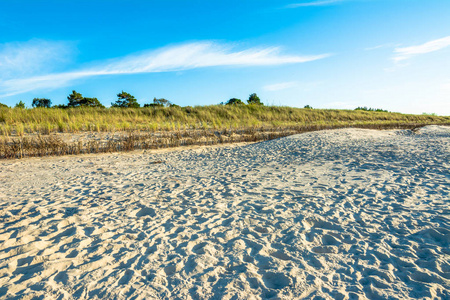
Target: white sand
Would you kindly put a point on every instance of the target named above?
(341, 214)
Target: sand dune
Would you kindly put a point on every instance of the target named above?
(339, 214)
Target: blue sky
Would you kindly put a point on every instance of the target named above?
(390, 54)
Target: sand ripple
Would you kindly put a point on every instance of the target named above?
(341, 214)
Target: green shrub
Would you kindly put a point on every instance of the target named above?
(234, 101)
(254, 100)
(370, 109)
(20, 104)
(161, 102)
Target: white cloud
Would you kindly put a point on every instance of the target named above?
(175, 58)
(201, 54)
(312, 3)
(389, 45)
(35, 56)
(431, 46)
(280, 86)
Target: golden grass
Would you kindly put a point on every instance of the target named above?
(15, 121)
(31, 132)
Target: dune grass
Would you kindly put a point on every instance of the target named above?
(16, 121)
(31, 132)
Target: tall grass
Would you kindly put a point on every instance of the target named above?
(30, 132)
(218, 117)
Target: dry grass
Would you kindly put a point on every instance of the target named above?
(50, 145)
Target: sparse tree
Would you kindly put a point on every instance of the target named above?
(235, 101)
(77, 100)
(125, 100)
(308, 107)
(20, 104)
(41, 102)
(254, 100)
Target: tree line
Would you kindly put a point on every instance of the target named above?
(124, 100)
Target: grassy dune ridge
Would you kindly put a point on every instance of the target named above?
(15, 121)
(38, 131)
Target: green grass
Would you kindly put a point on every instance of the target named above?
(14, 121)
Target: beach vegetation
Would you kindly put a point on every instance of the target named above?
(61, 106)
(34, 132)
(235, 101)
(77, 100)
(161, 102)
(157, 118)
(370, 109)
(20, 104)
(41, 102)
(125, 100)
(253, 99)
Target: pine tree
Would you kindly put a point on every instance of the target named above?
(125, 100)
(77, 100)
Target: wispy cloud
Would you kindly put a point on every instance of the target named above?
(382, 46)
(280, 86)
(174, 58)
(312, 3)
(35, 56)
(405, 53)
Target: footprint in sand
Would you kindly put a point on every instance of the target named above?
(145, 211)
(281, 255)
(274, 280)
(325, 249)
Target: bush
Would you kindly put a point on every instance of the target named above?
(370, 109)
(3, 105)
(41, 102)
(254, 100)
(234, 101)
(20, 104)
(161, 102)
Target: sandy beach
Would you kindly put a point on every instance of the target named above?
(335, 214)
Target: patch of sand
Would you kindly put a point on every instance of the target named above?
(341, 214)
